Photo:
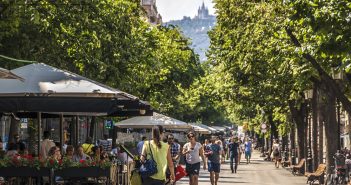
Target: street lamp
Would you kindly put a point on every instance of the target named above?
(308, 96)
(338, 76)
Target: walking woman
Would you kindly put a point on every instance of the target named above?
(276, 153)
(192, 151)
(160, 152)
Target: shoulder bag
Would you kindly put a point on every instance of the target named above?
(149, 167)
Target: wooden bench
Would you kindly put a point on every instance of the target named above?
(318, 175)
(296, 169)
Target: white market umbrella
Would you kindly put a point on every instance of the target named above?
(6, 74)
(150, 121)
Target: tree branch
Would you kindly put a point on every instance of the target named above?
(325, 78)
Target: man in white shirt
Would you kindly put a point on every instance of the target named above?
(45, 145)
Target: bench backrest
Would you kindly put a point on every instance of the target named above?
(302, 161)
(320, 170)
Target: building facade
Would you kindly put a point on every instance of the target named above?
(151, 12)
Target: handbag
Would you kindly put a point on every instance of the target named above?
(149, 167)
(180, 173)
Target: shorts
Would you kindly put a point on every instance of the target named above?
(214, 167)
(247, 154)
(192, 169)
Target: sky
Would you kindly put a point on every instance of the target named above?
(176, 9)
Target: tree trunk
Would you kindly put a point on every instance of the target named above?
(330, 130)
(292, 143)
(314, 142)
(298, 116)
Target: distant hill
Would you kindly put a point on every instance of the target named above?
(196, 29)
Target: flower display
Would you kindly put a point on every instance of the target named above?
(35, 162)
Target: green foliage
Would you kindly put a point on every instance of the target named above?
(105, 40)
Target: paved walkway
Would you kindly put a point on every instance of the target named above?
(259, 172)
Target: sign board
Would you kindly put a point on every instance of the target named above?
(108, 124)
(263, 130)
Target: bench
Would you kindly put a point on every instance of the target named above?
(317, 175)
(296, 169)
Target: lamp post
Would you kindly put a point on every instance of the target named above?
(338, 76)
(308, 97)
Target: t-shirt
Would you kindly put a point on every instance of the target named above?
(233, 148)
(214, 157)
(248, 146)
(160, 157)
(194, 155)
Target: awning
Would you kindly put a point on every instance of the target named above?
(50, 90)
(6, 74)
(150, 121)
(200, 130)
(218, 128)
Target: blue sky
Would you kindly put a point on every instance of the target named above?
(176, 9)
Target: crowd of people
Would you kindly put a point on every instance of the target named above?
(103, 150)
(167, 153)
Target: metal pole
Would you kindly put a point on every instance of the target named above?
(39, 131)
(77, 131)
(61, 134)
(338, 112)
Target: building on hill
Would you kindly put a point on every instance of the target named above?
(202, 12)
(196, 30)
(152, 14)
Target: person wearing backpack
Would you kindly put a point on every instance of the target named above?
(276, 153)
(159, 152)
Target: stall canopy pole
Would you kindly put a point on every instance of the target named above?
(61, 134)
(39, 132)
(76, 130)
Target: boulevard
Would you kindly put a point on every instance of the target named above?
(258, 172)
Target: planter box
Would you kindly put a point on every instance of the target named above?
(24, 172)
(83, 172)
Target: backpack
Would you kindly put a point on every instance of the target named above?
(276, 150)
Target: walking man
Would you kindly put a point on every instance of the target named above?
(175, 151)
(234, 151)
(213, 160)
(248, 146)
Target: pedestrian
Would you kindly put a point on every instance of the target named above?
(276, 153)
(175, 152)
(234, 150)
(140, 145)
(213, 160)
(46, 145)
(220, 143)
(160, 152)
(248, 146)
(241, 150)
(192, 151)
(207, 142)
